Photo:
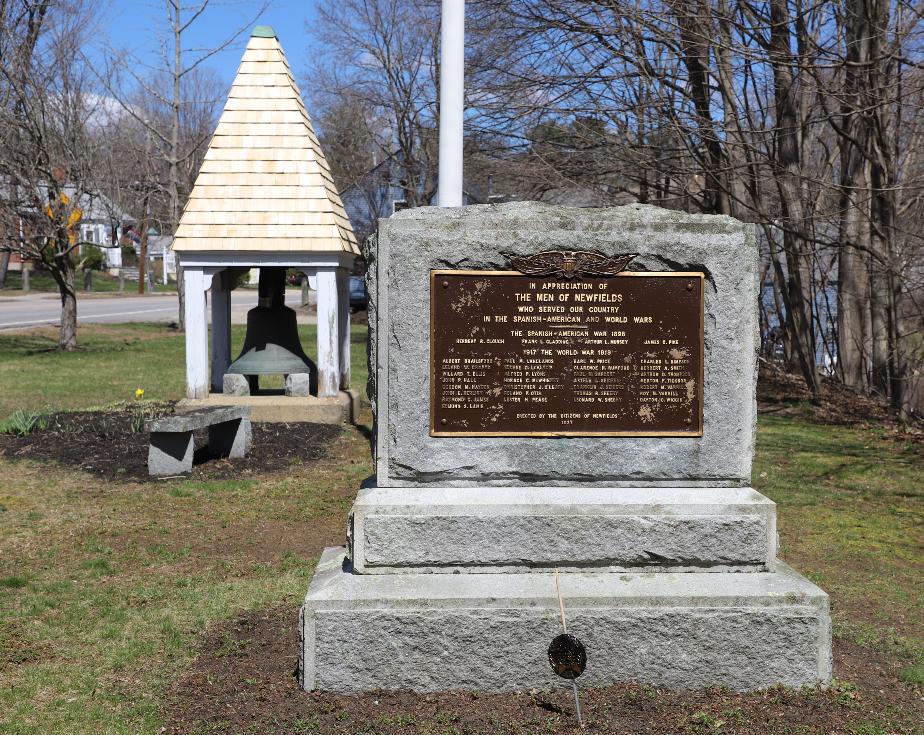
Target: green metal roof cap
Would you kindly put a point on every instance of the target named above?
(263, 32)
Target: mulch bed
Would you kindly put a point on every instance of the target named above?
(243, 681)
(104, 443)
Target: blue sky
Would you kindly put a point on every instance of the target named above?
(135, 24)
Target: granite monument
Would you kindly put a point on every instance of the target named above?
(568, 389)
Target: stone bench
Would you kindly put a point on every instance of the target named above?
(171, 448)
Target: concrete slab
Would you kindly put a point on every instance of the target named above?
(198, 418)
(428, 632)
(339, 409)
(530, 529)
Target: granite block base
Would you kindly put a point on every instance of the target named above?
(489, 632)
(532, 529)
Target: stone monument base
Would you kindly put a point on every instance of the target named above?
(490, 529)
(435, 632)
(340, 409)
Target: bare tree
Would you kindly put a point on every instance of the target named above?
(171, 93)
(794, 116)
(20, 27)
(379, 55)
(48, 151)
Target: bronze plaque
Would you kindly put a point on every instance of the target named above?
(516, 355)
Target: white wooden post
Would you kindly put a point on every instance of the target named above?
(343, 312)
(452, 102)
(221, 328)
(197, 336)
(328, 329)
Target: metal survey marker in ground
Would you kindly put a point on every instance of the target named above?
(567, 654)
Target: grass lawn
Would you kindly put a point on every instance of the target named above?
(111, 362)
(102, 283)
(107, 589)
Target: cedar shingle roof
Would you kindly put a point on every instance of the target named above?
(264, 184)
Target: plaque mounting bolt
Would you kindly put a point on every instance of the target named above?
(689, 285)
(445, 284)
(443, 422)
(687, 421)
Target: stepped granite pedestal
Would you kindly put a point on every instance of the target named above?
(668, 559)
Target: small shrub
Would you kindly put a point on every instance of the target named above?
(129, 256)
(140, 414)
(93, 259)
(23, 423)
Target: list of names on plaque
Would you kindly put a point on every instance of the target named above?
(523, 355)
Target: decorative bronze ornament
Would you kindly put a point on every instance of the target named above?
(567, 656)
(570, 263)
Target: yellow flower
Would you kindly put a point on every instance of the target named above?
(139, 392)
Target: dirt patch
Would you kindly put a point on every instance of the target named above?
(16, 647)
(107, 444)
(244, 681)
(785, 394)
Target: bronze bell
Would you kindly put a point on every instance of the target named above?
(272, 346)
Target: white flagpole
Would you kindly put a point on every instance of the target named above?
(452, 85)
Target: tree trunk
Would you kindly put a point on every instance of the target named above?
(143, 250)
(67, 335)
(4, 267)
(852, 317)
(787, 172)
(886, 377)
(853, 263)
(695, 55)
(886, 373)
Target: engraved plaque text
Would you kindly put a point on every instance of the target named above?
(516, 355)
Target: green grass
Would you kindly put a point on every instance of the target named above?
(105, 588)
(111, 362)
(913, 675)
(850, 516)
(102, 283)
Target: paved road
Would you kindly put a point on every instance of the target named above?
(39, 309)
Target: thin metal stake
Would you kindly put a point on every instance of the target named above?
(577, 703)
(564, 629)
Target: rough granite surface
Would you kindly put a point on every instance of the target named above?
(490, 632)
(200, 418)
(298, 384)
(234, 384)
(658, 542)
(231, 438)
(529, 529)
(414, 241)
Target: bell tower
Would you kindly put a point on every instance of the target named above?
(265, 198)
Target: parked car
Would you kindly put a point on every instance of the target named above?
(358, 297)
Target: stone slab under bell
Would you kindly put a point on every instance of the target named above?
(271, 360)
